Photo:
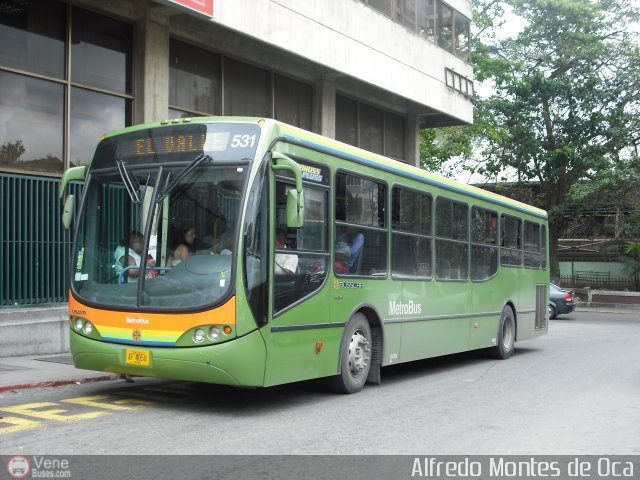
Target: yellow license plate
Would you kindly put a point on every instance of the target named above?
(137, 357)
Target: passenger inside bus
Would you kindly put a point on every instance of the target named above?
(285, 263)
(348, 259)
(184, 245)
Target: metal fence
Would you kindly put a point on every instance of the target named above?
(35, 250)
(599, 281)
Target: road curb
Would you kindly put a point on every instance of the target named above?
(59, 383)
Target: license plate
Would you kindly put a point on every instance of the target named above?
(137, 357)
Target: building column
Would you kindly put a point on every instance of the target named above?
(412, 140)
(152, 66)
(324, 108)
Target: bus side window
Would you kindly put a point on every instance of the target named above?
(305, 247)
(452, 240)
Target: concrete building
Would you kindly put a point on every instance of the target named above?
(371, 73)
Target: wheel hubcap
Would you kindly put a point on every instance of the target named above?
(358, 354)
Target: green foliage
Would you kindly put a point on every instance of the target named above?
(565, 108)
(10, 152)
(568, 109)
(632, 261)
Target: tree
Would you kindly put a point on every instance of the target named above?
(632, 261)
(566, 101)
(10, 152)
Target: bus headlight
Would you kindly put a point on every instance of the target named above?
(88, 328)
(78, 324)
(214, 333)
(198, 335)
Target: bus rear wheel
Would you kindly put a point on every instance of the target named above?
(506, 335)
(355, 356)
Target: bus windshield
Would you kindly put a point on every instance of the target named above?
(159, 236)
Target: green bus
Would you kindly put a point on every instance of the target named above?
(244, 251)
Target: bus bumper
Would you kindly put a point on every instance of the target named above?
(237, 362)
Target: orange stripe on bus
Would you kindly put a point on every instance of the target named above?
(223, 315)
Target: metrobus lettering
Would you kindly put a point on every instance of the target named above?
(142, 321)
(400, 308)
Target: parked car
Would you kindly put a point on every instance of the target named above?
(560, 301)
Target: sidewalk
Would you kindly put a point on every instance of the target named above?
(36, 371)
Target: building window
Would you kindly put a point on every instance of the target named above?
(32, 36)
(369, 127)
(101, 52)
(101, 60)
(427, 19)
(406, 13)
(346, 120)
(432, 19)
(32, 113)
(194, 81)
(293, 102)
(34, 87)
(247, 90)
(462, 36)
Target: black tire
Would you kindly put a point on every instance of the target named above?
(355, 356)
(505, 336)
(552, 312)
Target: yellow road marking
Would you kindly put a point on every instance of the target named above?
(18, 424)
(117, 405)
(30, 410)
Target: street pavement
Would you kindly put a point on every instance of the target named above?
(36, 371)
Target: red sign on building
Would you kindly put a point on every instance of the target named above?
(200, 7)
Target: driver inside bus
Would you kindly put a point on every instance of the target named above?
(132, 249)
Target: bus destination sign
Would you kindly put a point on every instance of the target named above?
(224, 142)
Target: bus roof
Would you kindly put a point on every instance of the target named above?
(363, 157)
(356, 155)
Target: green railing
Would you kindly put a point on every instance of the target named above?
(35, 250)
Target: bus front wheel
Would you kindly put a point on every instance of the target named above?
(506, 335)
(355, 356)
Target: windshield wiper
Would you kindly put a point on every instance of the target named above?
(169, 187)
(131, 186)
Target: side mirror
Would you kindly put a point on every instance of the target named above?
(295, 197)
(74, 173)
(67, 211)
(295, 209)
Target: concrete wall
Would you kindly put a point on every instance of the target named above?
(615, 269)
(34, 331)
(352, 39)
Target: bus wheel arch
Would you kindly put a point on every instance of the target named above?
(375, 324)
(515, 319)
